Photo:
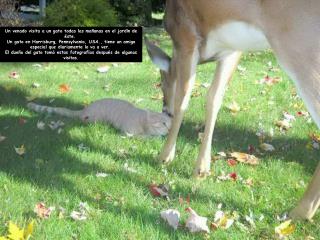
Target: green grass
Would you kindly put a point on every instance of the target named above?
(56, 172)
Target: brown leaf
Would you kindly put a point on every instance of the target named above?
(42, 211)
(64, 88)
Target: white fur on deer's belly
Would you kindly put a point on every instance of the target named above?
(234, 36)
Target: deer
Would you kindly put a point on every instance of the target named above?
(221, 30)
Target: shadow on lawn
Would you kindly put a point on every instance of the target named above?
(50, 175)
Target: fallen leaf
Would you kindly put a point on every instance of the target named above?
(283, 124)
(196, 223)
(159, 190)
(14, 75)
(2, 138)
(231, 162)
(20, 150)
(196, 93)
(269, 80)
(103, 69)
(249, 182)
(285, 229)
(302, 114)
(129, 169)
(233, 176)
(245, 158)
(22, 121)
(222, 220)
(287, 116)
(172, 217)
(234, 107)
(35, 85)
(64, 88)
(78, 216)
(54, 125)
(157, 85)
(41, 125)
(42, 211)
(267, 147)
(222, 154)
(157, 97)
(205, 85)
(101, 175)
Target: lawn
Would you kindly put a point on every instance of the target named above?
(59, 168)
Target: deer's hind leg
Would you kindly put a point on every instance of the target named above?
(299, 55)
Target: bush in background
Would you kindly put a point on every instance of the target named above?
(137, 12)
(80, 13)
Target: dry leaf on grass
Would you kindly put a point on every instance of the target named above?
(245, 158)
(78, 216)
(284, 229)
(159, 190)
(22, 121)
(41, 125)
(64, 88)
(222, 220)
(172, 217)
(55, 125)
(2, 138)
(283, 124)
(14, 75)
(82, 214)
(232, 162)
(159, 96)
(103, 69)
(234, 107)
(42, 211)
(20, 150)
(267, 147)
(129, 169)
(287, 116)
(269, 80)
(102, 175)
(196, 223)
(35, 85)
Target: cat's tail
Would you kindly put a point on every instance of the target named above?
(54, 110)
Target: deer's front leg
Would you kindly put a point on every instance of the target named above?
(224, 71)
(185, 63)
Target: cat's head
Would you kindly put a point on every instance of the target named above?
(157, 124)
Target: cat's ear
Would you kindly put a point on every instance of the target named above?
(158, 56)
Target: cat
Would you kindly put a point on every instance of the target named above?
(119, 113)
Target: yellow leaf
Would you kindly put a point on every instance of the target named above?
(3, 238)
(15, 233)
(285, 229)
(234, 107)
(28, 231)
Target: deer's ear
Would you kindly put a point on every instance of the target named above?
(158, 57)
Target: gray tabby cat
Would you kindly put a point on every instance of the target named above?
(119, 113)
